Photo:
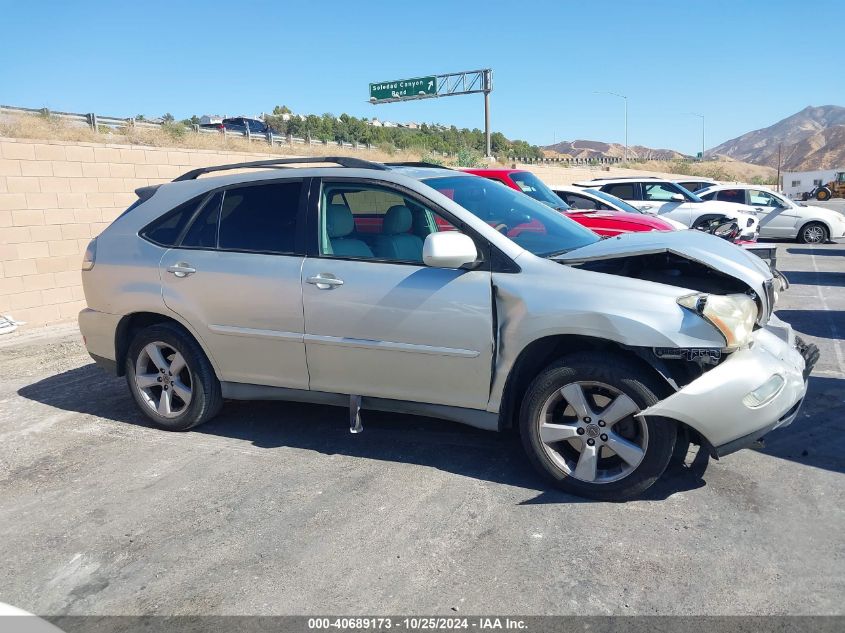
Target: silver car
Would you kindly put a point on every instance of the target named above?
(428, 291)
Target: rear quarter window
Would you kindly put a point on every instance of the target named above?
(167, 230)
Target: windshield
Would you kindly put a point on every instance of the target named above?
(533, 226)
(619, 203)
(537, 189)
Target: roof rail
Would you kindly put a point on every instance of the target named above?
(343, 161)
(412, 163)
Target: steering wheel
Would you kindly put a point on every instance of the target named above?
(501, 228)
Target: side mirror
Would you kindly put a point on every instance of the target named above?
(677, 197)
(448, 249)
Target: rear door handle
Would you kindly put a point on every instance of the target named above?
(325, 281)
(181, 269)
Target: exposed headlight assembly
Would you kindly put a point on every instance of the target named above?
(733, 315)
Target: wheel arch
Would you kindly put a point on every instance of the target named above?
(539, 353)
(136, 321)
(806, 223)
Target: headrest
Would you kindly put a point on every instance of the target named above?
(398, 219)
(339, 220)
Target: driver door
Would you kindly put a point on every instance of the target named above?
(378, 321)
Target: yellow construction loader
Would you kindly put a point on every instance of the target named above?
(833, 189)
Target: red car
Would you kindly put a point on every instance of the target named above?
(605, 223)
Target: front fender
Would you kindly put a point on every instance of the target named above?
(574, 302)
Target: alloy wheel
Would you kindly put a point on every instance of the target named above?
(163, 379)
(814, 234)
(589, 430)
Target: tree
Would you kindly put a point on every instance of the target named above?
(168, 118)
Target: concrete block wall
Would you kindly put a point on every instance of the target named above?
(54, 197)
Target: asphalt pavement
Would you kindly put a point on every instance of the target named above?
(274, 508)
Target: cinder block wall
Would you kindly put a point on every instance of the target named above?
(54, 197)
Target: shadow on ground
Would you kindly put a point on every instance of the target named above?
(813, 278)
(429, 442)
(817, 437)
(813, 322)
(819, 252)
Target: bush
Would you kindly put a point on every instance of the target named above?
(173, 130)
(430, 158)
(469, 158)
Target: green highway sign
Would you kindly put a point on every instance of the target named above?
(403, 89)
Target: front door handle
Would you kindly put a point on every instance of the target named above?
(325, 281)
(181, 269)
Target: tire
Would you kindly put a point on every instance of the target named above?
(603, 380)
(194, 391)
(813, 233)
(823, 194)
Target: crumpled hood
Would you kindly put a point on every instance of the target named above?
(703, 248)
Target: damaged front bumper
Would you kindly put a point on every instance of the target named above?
(756, 389)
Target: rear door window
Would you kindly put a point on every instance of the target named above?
(260, 218)
(732, 195)
(624, 190)
(203, 230)
(167, 230)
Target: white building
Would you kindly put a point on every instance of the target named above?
(210, 119)
(796, 183)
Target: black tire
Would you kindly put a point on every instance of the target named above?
(628, 378)
(809, 232)
(823, 194)
(206, 398)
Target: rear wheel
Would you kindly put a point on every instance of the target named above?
(171, 379)
(813, 233)
(580, 428)
(823, 194)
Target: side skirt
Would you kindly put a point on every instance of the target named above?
(473, 417)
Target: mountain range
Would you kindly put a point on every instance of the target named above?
(813, 138)
(596, 149)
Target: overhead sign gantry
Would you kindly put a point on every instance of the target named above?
(433, 86)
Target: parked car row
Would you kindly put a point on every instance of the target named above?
(425, 290)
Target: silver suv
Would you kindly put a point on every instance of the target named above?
(423, 290)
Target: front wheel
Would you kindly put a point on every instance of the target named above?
(813, 233)
(171, 378)
(580, 428)
(823, 194)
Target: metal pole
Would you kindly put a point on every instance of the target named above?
(616, 94)
(626, 129)
(488, 86)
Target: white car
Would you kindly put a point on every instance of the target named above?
(781, 217)
(668, 199)
(694, 183)
(593, 199)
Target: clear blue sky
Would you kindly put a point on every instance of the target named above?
(743, 64)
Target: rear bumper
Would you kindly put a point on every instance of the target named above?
(98, 331)
(717, 404)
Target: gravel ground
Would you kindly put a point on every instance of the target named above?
(275, 508)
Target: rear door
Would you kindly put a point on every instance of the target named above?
(235, 277)
(378, 321)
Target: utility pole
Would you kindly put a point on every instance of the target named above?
(779, 184)
(616, 94)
